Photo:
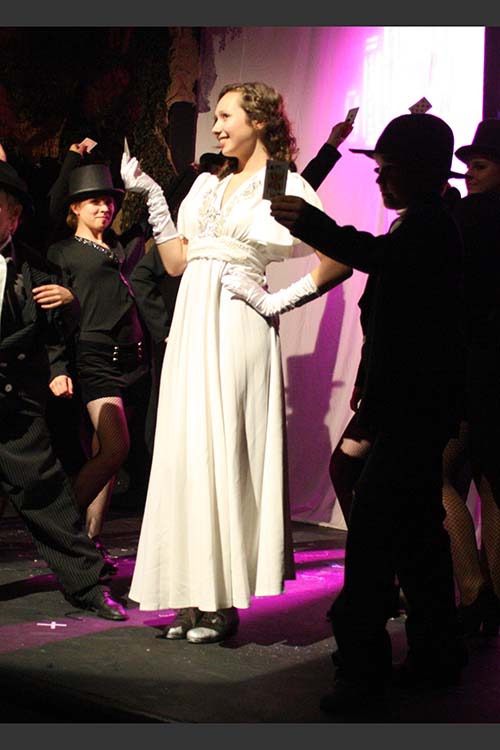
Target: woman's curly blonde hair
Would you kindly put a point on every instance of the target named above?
(264, 104)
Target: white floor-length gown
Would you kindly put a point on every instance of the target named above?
(215, 531)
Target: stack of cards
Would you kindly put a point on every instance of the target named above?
(420, 107)
(351, 115)
(275, 179)
(89, 143)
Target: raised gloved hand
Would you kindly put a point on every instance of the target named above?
(245, 288)
(137, 181)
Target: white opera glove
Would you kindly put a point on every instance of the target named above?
(245, 288)
(137, 181)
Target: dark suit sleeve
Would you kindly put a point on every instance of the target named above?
(360, 250)
(321, 165)
(133, 242)
(63, 320)
(406, 249)
(155, 293)
(59, 190)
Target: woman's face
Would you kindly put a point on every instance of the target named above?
(483, 175)
(95, 213)
(237, 135)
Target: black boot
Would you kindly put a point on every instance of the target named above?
(482, 616)
(491, 616)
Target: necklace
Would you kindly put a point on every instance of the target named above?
(110, 254)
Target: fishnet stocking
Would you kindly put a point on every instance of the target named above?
(473, 571)
(97, 510)
(490, 535)
(110, 446)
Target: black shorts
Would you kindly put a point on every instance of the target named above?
(112, 370)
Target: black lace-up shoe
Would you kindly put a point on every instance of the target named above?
(214, 626)
(185, 619)
(98, 600)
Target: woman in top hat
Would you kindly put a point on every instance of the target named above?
(477, 572)
(111, 362)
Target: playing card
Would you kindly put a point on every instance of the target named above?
(125, 146)
(351, 115)
(420, 107)
(89, 143)
(275, 179)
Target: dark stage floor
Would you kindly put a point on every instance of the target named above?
(60, 665)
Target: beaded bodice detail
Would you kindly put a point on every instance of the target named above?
(212, 217)
(108, 252)
(240, 230)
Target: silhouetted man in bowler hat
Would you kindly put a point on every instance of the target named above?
(410, 402)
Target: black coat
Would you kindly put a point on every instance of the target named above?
(478, 216)
(25, 368)
(414, 348)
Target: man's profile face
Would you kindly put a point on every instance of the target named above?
(394, 183)
(10, 214)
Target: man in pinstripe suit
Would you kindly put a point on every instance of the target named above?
(35, 311)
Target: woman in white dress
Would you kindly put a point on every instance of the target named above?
(215, 530)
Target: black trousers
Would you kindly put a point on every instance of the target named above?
(396, 529)
(158, 355)
(33, 478)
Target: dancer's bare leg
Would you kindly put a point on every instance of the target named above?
(346, 464)
(98, 508)
(111, 443)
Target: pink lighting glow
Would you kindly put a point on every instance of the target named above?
(319, 577)
(324, 71)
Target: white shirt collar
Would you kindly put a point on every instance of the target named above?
(7, 242)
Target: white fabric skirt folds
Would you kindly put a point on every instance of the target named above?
(215, 529)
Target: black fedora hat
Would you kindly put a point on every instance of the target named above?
(12, 183)
(486, 142)
(416, 140)
(91, 180)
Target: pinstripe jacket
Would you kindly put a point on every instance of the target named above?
(25, 369)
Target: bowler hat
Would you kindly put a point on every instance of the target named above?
(486, 142)
(90, 180)
(209, 161)
(416, 140)
(12, 183)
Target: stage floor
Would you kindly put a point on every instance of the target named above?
(60, 665)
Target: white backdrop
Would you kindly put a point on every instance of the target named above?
(322, 72)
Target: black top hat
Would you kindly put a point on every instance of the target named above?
(416, 140)
(91, 180)
(209, 161)
(12, 183)
(486, 142)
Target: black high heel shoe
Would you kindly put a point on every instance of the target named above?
(480, 617)
(110, 566)
(491, 618)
